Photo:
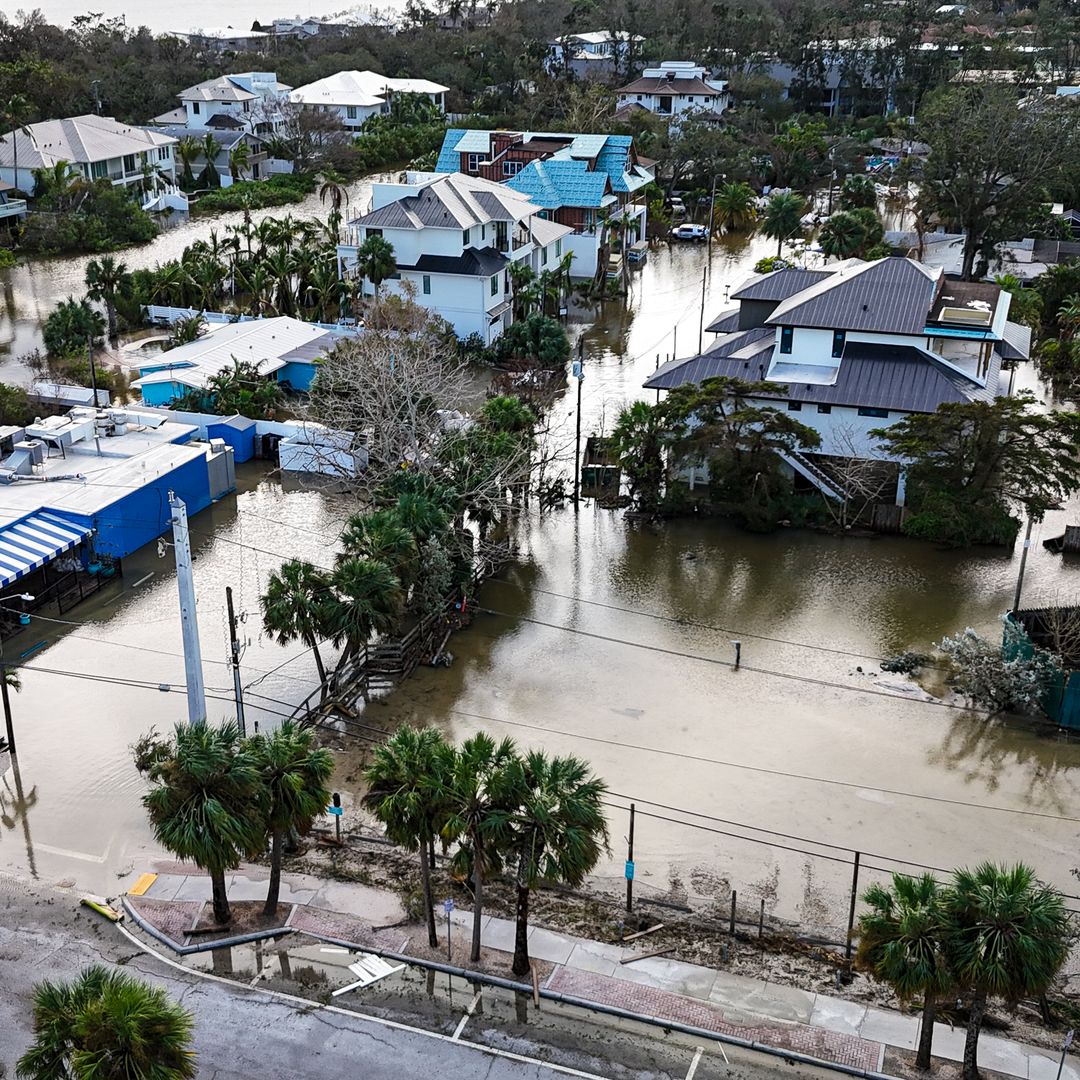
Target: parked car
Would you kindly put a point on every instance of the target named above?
(687, 231)
(676, 207)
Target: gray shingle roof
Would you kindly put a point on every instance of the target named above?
(889, 296)
(779, 284)
(452, 201)
(474, 263)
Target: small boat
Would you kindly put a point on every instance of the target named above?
(687, 231)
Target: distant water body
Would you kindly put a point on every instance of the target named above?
(197, 14)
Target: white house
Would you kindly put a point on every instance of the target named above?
(674, 88)
(98, 147)
(353, 96)
(309, 28)
(227, 39)
(251, 101)
(595, 54)
(454, 238)
(857, 346)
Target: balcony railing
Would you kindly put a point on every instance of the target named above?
(12, 208)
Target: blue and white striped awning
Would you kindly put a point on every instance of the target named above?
(33, 542)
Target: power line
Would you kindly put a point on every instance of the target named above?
(623, 745)
(933, 702)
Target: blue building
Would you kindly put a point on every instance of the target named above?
(284, 349)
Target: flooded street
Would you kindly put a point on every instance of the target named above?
(612, 641)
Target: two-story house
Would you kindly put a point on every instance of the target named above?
(454, 239)
(595, 54)
(583, 181)
(96, 147)
(857, 346)
(354, 96)
(674, 88)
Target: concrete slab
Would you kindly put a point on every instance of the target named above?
(1003, 1056)
(596, 957)
(686, 979)
(778, 1002)
(166, 886)
(1043, 1065)
(836, 1015)
(546, 945)
(499, 934)
(892, 1028)
(376, 906)
(194, 888)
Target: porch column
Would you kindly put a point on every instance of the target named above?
(901, 486)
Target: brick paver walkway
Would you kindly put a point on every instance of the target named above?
(332, 924)
(665, 1005)
(174, 918)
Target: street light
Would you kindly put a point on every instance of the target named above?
(26, 598)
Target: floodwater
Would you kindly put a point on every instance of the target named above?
(612, 641)
(29, 291)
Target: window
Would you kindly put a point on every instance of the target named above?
(512, 168)
(824, 408)
(350, 112)
(838, 339)
(374, 232)
(558, 249)
(195, 108)
(473, 162)
(99, 169)
(247, 106)
(543, 256)
(690, 98)
(483, 232)
(163, 153)
(495, 285)
(427, 285)
(880, 413)
(786, 334)
(129, 163)
(794, 406)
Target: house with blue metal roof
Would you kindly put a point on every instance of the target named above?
(592, 183)
(857, 346)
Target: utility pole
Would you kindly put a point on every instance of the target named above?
(630, 863)
(701, 321)
(234, 648)
(93, 387)
(851, 909)
(578, 372)
(9, 724)
(196, 693)
(712, 216)
(1023, 563)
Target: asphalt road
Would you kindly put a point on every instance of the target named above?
(245, 1033)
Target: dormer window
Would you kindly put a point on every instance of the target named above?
(839, 337)
(786, 335)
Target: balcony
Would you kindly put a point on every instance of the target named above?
(12, 208)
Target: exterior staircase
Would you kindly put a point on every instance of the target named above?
(804, 466)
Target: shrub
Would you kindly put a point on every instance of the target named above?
(70, 326)
(538, 339)
(279, 190)
(950, 519)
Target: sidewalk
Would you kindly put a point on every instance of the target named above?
(820, 1025)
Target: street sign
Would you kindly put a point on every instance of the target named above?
(448, 905)
(337, 811)
(629, 870)
(1068, 1039)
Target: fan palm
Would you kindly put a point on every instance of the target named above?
(205, 799)
(368, 600)
(209, 148)
(295, 773)
(382, 537)
(107, 1025)
(295, 607)
(407, 781)
(105, 280)
(327, 291)
(375, 261)
(239, 158)
(638, 440)
(479, 803)
(422, 516)
(1009, 936)
(557, 831)
(733, 208)
(187, 152)
(902, 943)
(783, 218)
(842, 236)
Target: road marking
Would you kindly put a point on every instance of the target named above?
(67, 854)
(465, 1019)
(363, 1018)
(145, 577)
(694, 1064)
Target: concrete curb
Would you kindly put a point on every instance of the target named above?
(208, 946)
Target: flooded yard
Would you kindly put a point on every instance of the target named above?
(612, 641)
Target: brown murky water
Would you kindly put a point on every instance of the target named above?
(612, 641)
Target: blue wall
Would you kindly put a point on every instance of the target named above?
(161, 393)
(239, 433)
(298, 374)
(143, 515)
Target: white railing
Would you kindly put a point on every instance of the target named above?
(162, 315)
(12, 208)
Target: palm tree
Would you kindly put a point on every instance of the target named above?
(842, 236)
(105, 279)
(1068, 316)
(107, 1025)
(1009, 936)
(239, 157)
(295, 607)
(508, 413)
(557, 831)
(902, 943)
(375, 261)
(327, 290)
(638, 440)
(205, 800)
(294, 773)
(407, 790)
(209, 149)
(187, 152)
(382, 537)
(14, 114)
(783, 218)
(368, 600)
(336, 193)
(479, 814)
(733, 208)
(421, 515)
